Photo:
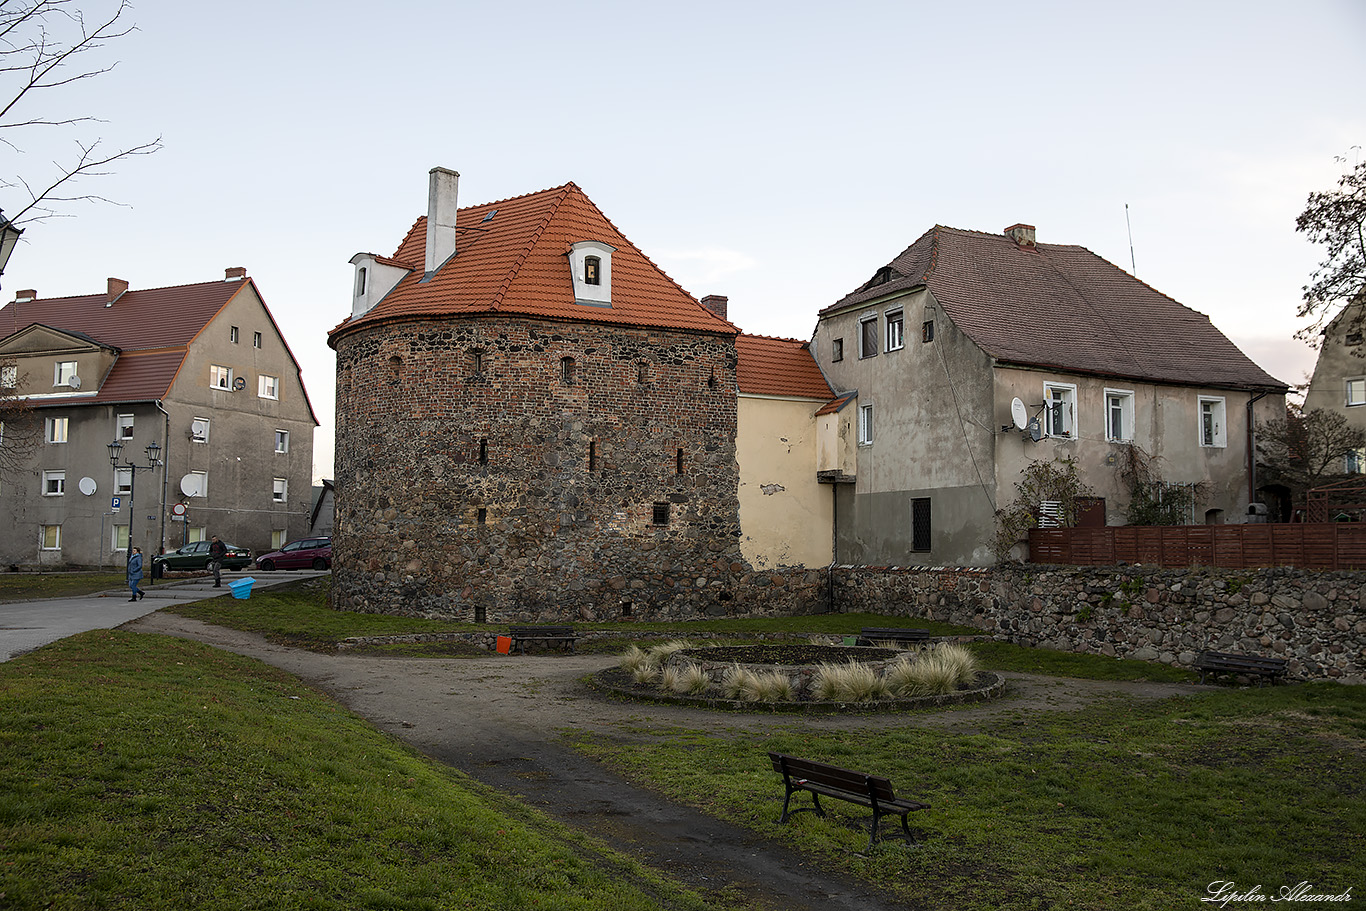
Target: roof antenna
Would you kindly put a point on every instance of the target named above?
(1132, 264)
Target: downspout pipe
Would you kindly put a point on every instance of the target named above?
(165, 470)
(1252, 448)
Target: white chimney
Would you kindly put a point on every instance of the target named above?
(442, 191)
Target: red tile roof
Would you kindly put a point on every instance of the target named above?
(516, 263)
(778, 366)
(1063, 307)
(837, 404)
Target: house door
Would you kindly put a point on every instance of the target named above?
(1090, 512)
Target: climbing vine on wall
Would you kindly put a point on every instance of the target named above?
(1053, 487)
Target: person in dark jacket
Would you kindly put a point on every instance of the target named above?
(217, 551)
(135, 573)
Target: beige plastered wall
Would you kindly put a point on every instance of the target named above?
(785, 514)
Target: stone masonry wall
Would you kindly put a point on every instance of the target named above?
(1316, 620)
(481, 477)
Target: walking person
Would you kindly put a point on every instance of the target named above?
(217, 551)
(135, 573)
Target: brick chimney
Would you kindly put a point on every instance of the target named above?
(23, 297)
(234, 273)
(717, 304)
(114, 291)
(1023, 235)
(442, 192)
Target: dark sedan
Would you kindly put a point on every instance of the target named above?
(196, 556)
(312, 553)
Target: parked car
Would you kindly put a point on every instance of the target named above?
(196, 556)
(315, 553)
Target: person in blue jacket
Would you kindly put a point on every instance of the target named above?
(135, 573)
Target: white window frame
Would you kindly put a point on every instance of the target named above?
(867, 347)
(123, 426)
(256, 340)
(204, 426)
(896, 329)
(196, 533)
(837, 349)
(119, 538)
(1060, 407)
(280, 490)
(233, 334)
(57, 537)
(56, 430)
(268, 387)
(54, 483)
(220, 377)
(123, 481)
(62, 372)
(279, 537)
(1355, 391)
(1355, 461)
(1125, 401)
(281, 441)
(1218, 439)
(866, 426)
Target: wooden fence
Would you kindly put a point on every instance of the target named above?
(1326, 545)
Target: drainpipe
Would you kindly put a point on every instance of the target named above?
(166, 448)
(1252, 448)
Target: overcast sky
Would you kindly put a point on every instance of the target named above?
(774, 152)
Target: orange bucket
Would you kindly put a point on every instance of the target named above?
(505, 645)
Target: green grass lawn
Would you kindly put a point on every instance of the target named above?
(28, 586)
(144, 772)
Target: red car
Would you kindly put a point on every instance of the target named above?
(305, 553)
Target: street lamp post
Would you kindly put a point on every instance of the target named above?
(153, 460)
(9, 236)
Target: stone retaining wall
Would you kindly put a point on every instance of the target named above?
(1316, 620)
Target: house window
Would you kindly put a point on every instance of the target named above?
(592, 270)
(123, 427)
(1212, 429)
(119, 540)
(1356, 391)
(920, 524)
(220, 377)
(867, 337)
(1356, 461)
(54, 483)
(484, 451)
(9, 376)
(281, 491)
(196, 534)
(123, 480)
(642, 373)
(199, 430)
(1060, 409)
(278, 538)
(660, 514)
(64, 373)
(592, 455)
(927, 331)
(232, 334)
(1119, 415)
(256, 340)
(567, 371)
(52, 537)
(837, 349)
(57, 429)
(267, 387)
(678, 462)
(896, 325)
(360, 281)
(865, 423)
(282, 441)
(477, 361)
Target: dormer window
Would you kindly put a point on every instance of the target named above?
(590, 264)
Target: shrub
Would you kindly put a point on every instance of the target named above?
(775, 686)
(933, 672)
(739, 683)
(848, 682)
(689, 679)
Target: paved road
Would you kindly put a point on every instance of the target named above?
(27, 625)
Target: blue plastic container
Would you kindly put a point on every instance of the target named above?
(242, 587)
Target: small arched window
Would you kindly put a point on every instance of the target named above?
(396, 366)
(477, 361)
(567, 371)
(592, 270)
(360, 281)
(642, 373)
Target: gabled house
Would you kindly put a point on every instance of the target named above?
(1339, 380)
(533, 420)
(200, 370)
(971, 355)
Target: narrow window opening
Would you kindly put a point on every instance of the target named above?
(481, 516)
(837, 349)
(592, 455)
(360, 281)
(567, 371)
(232, 334)
(480, 613)
(256, 340)
(396, 366)
(661, 514)
(477, 361)
(678, 463)
(711, 380)
(920, 524)
(927, 331)
(626, 608)
(642, 373)
(484, 451)
(592, 270)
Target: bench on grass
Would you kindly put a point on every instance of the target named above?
(873, 634)
(562, 635)
(1216, 663)
(842, 784)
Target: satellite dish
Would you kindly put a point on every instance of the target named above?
(1018, 414)
(189, 485)
(87, 486)
(1034, 430)
(74, 381)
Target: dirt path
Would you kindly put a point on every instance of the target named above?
(499, 720)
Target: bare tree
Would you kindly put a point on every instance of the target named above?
(1335, 219)
(45, 46)
(19, 423)
(1305, 449)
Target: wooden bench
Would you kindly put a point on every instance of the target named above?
(873, 634)
(563, 635)
(1216, 663)
(842, 784)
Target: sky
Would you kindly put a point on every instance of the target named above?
(774, 152)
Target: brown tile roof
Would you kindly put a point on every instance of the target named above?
(777, 366)
(1062, 307)
(838, 403)
(516, 263)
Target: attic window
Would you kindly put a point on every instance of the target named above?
(880, 277)
(360, 282)
(592, 266)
